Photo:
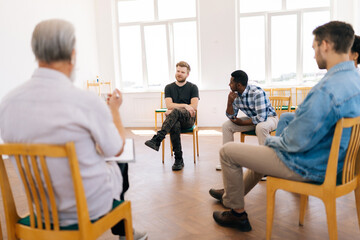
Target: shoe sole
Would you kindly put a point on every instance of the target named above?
(177, 169)
(232, 226)
(152, 146)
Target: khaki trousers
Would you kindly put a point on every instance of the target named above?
(260, 161)
(262, 129)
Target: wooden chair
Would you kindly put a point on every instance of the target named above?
(193, 130)
(332, 188)
(281, 92)
(98, 87)
(278, 104)
(160, 111)
(268, 91)
(31, 161)
(93, 86)
(301, 93)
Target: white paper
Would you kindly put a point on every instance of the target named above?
(128, 154)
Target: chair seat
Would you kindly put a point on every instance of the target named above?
(26, 220)
(161, 110)
(188, 130)
(253, 133)
(338, 180)
(286, 107)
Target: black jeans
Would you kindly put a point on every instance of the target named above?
(177, 120)
(119, 228)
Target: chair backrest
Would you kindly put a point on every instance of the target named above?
(162, 100)
(268, 91)
(352, 158)
(93, 86)
(301, 93)
(280, 104)
(31, 162)
(281, 92)
(106, 86)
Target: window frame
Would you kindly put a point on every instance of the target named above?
(267, 36)
(169, 26)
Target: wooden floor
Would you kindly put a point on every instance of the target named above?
(176, 205)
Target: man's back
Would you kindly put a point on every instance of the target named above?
(49, 109)
(305, 144)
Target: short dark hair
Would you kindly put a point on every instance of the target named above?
(240, 77)
(356, 47)
(184, 64)
(341, 34)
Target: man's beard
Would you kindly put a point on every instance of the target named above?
(320, 61)
(180, 79)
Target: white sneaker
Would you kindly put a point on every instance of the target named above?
(137, 236)
(218, 167)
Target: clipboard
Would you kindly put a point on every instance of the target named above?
(128, 154)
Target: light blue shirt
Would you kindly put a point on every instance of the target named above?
(304, 145)
(50, 109)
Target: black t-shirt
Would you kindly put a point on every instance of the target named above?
(182, 94)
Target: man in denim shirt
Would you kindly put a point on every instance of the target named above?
(300, 152)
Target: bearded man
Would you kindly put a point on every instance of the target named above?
(181, 98)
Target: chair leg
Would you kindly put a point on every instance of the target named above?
(197, 142)
(194, 142)
(270, 199)
(155, 122)
(171, 148)
(163, 150)
(357, 202)
(242, 137)
(128, 225)
(303, 203)
(330, 206)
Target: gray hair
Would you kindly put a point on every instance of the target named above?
(53, 40)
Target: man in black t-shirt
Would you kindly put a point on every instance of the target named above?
(181, 98)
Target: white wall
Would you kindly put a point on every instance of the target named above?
(17, 21)
(348, 11)
(217, 41)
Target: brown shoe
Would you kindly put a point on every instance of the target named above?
(228, 219)
(217, 193)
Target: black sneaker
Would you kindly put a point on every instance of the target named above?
(178, 165)
(153, 143)
(228, 219)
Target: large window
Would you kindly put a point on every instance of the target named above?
(275, 40)
(153, 36)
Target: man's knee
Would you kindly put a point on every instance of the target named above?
(227, 126)
(175, 111)
(224, 151)
(262, 129)
(287, 117)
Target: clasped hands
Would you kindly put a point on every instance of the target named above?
(188, 108)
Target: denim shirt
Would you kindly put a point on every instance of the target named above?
(304, 145)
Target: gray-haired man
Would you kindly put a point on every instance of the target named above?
(49, 109)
